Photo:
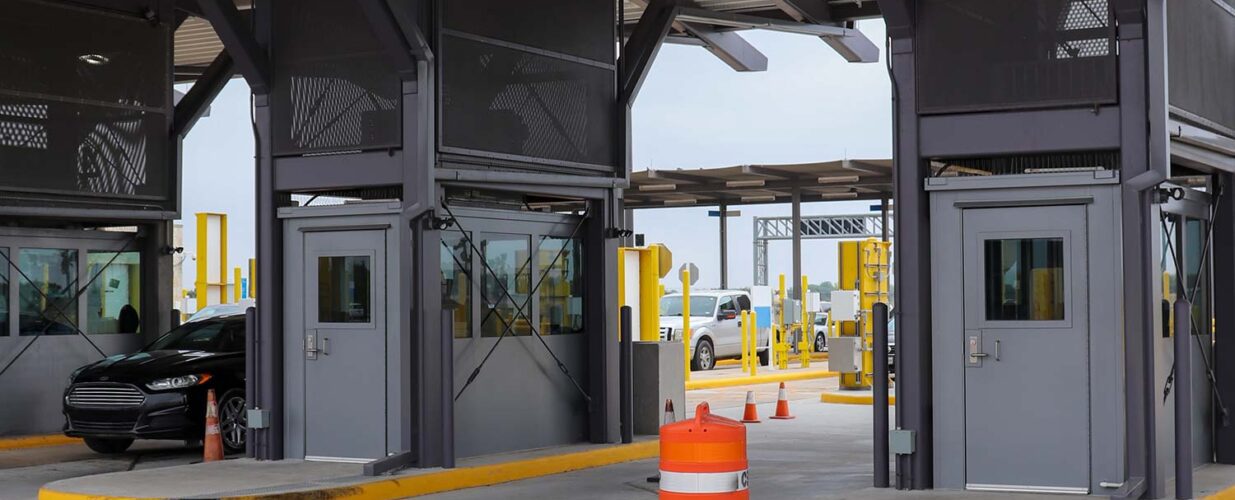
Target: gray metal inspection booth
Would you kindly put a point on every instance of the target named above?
(1061, 187)
(445, 309)
(90, 135)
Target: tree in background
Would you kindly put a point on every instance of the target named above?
(824, 289)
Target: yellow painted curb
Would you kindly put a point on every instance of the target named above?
(859, 398)
(1227, 494)
(758, 379)
(446, 479)
(37, 441)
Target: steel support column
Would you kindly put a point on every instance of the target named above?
(1144, 162)
(797, 244)
(912, 254)
(724, 246)
(1224, 313)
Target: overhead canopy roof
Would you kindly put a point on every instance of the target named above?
(754, 184)
(197, 44)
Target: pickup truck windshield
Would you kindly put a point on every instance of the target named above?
(699, 306)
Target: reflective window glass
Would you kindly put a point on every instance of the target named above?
(343, 289)
(507, 257)
(1024, 279)
(113, 299)
(456, 265)
(561, 286)
(48, 296)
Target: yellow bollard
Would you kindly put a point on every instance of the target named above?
(804, 345)
(754, 343)
(686, 320)
(746, 342)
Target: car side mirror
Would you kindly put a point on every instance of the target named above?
(728, 314)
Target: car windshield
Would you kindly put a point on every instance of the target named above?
(699, 306)
(205, 335)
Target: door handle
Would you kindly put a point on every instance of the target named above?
(996, 350)
(978, 355)
(325, 346)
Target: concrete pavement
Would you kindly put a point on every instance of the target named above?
(24, 471)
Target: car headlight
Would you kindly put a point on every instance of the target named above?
(180, 382)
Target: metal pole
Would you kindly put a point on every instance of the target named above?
(797, 243)
(880, 388)
(686, 322)
(625, 372)
(883, 219)
(447, 388)
(1183, 398)
(724, 246)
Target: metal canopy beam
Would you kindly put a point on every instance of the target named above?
(197, 100)
(391, 37)
(898, 16)
(250, 59)
(850, 43)
(810, 11)
(729, 47)
(644, 43)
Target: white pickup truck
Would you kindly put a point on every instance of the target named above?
(715, 325)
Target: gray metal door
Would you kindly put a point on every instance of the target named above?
(1026, 350)
(345, 345)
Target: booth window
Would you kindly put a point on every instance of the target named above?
(507, 256)
(1024, 279)
(343, 289)
(561, 289)
(456, 264)
(48, 297)
(113, 299)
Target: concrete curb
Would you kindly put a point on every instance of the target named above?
(36, 441)
(859, 398)
(758, 379)
(444, 480)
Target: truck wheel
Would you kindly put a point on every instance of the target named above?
(108, 446)
(763, 358)
(705, 357)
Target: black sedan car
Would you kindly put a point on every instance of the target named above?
(160, 391)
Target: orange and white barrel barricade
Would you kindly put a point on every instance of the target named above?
(704, 458)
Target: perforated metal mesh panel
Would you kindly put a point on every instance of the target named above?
(506, 101)
(530, 82)
(576, 27)
(83, 102)
(998, 54)
(334, 89)
(1201, 46)
(57, 146)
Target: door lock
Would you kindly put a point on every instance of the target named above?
(310, 346)
(975, 350)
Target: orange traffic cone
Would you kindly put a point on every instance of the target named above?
(214, 442)
(669, 419)
(751, 415)
(782, 404)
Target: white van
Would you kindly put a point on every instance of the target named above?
(715, 325)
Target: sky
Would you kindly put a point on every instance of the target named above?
(692, 112)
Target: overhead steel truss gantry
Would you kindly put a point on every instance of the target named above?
(815, 227)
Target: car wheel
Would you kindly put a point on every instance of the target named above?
(108, 446)
(821, 342)
(763, 358)
(233, 420)
(705, 357)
